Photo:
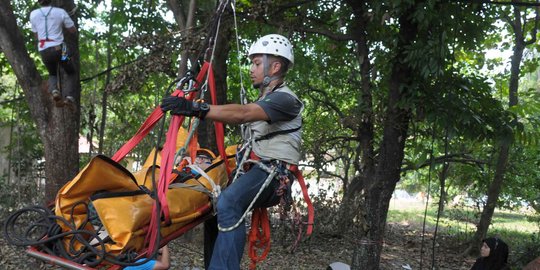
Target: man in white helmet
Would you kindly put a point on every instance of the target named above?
(273, 134)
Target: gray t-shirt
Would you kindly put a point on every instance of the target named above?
(280, 106)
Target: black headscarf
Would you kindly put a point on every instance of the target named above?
(498, 256)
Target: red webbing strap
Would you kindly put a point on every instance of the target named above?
(151, 121)
(145, 128)
(218, 126)
(193, 146)
(167, 164)
(259, 236)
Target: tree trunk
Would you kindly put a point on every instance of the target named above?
(507, 141)
(364, 129)
(379, 189)
(492, 197)
(221, 54)
(442, 180)
(185, 25)
(442, 187)
(58, 127)
(349, 204)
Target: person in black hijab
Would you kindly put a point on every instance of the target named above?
(493, 255)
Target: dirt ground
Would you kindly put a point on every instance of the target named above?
(401, 250)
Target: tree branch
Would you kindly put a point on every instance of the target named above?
(456, 158)
(111, 69)
(535, 28)
(325, 32)
(325, 102)
(513, 3)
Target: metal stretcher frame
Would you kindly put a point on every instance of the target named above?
(54, 260)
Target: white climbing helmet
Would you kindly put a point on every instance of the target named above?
(273, 44)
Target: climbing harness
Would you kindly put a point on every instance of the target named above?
(271, 170)
(65, 56)
(42, 41)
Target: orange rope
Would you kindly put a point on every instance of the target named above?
(259, 236)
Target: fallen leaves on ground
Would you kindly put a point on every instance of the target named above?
(401, 250)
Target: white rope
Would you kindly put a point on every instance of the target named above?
(221, 8)
(246, 150)
(272, 173)
(243, 96)
(243, 99)
(216, 189)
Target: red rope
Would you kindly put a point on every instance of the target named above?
(259, 236)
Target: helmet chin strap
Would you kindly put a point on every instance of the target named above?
(267, 79)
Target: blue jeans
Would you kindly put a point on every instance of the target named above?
(231, 205)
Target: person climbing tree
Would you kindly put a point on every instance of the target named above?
(272, 139)
(48, 23)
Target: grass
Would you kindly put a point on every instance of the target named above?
(515, 228)
(460, 218)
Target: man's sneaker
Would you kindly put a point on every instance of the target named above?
(56, 95)
(70, 99)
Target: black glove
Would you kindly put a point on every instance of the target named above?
(182, 106)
